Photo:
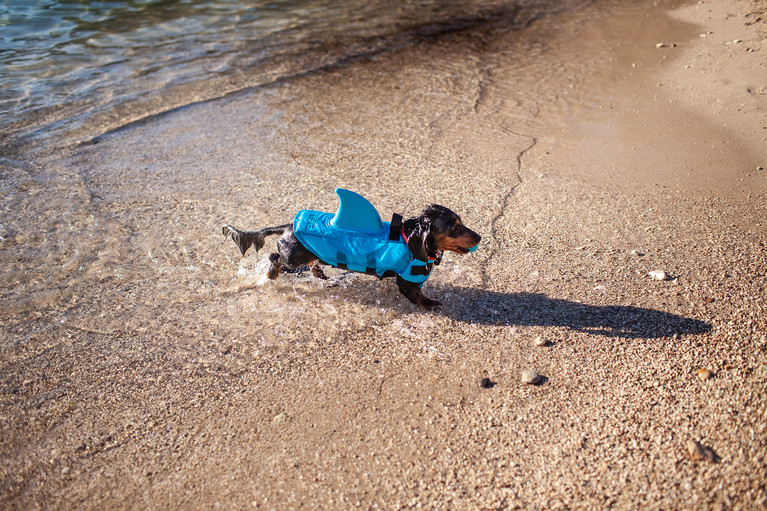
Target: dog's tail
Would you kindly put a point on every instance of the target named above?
(246, 239)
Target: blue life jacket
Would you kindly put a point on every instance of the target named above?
(356, 239)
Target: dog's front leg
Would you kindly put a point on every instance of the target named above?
(413, 293)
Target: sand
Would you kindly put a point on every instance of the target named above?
(145, 364)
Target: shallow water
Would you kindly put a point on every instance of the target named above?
(131, 223)
(438, 108)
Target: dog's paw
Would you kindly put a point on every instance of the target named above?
(428, 304)
(318, 273)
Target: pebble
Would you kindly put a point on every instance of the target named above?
(279, 418)
(541, 341)
(658, 275)
(637, 253)
(531, 377)
(484, 383)
(704, 374)
(698, 452)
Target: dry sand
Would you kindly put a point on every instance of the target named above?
(144, 365)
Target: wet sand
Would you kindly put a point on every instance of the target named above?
(146, 365)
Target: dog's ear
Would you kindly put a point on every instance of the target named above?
(420, 239)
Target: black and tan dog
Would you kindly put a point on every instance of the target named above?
(424, 238)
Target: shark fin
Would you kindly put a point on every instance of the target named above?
(356, 213)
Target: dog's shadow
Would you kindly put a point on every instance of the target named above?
(534, 309)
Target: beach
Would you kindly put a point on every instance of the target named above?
(146, 364)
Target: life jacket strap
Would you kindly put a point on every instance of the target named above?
(396, 227)
(421, 270)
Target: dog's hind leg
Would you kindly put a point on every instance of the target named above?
(276, 266)
(246, 239)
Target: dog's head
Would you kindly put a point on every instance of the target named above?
(438, 229)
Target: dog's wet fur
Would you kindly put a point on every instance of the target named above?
(435, 230)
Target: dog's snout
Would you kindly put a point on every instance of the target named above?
(476, 238)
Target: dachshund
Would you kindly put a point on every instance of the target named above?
(437, 229)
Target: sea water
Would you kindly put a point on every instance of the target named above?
(87, 67)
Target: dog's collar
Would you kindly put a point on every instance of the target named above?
(435, 260)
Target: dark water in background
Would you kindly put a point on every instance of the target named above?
(83, 68)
